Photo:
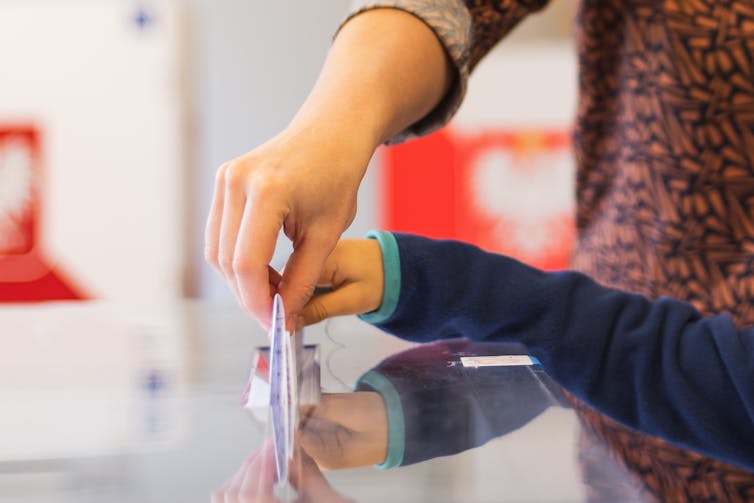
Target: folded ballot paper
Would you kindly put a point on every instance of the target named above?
(282, 377)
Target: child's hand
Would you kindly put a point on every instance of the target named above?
(354, 272)
(345, 430)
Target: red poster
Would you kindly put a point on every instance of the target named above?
(25, 274)
(507, 191)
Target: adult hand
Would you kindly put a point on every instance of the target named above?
(255, 480)
(355, 273)
(305, 182)
(385, 71)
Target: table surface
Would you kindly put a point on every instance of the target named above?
(141, 403)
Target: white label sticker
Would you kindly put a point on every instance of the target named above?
(498, 361)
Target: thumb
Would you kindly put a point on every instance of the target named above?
(351, 298)
(301, 275)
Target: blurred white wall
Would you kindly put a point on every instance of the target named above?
(98, 84)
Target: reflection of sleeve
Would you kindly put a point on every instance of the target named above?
(660, 367)
(437, 407)
(467, 29)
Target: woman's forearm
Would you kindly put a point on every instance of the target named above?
(385, 71)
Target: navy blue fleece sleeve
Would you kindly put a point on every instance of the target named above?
(659, 367)
(436, 407)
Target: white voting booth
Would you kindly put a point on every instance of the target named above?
(91, 147)
(92, 178)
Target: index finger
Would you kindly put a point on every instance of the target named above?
(257, 236)
(212, 228)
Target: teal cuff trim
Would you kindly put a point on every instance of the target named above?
(396, 428)
(391, 263)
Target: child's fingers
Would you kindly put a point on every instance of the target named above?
(334, 263)
(352, 259)
(352, 298)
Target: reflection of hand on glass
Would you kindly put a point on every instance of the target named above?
(422, 403)
(255, 480)
(656, 366)
(346, 430)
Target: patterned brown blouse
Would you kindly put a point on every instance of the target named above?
(664, 143)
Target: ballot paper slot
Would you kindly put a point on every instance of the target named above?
(256, 396)
(283, 377)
